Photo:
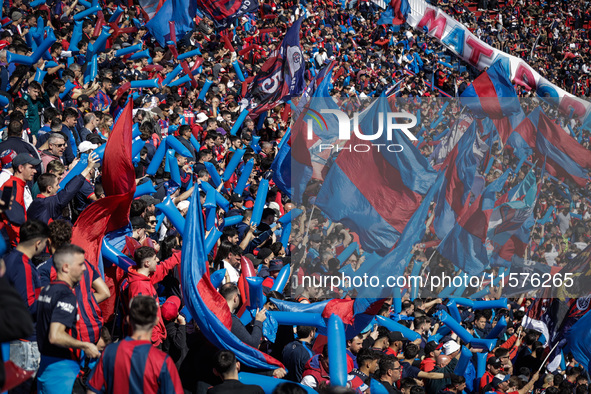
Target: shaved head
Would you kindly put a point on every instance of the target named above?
(442, 361)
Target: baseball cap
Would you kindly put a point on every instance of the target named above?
(86, 146)
(183, 205)
(236, 198)
(25, 158)
(450, 346)
(170, 308)
(495, 362)
(138, 222)
(276, 265)
(255, 262)
(498, 379)
(149, 199)
(431, 346)
(6, 158)
(395, 336)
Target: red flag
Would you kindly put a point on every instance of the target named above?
(112, 212)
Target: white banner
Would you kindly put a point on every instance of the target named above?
(457, 38)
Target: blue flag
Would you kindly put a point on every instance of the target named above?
(224, 12)
(282, 75)
(181, 12)
(207, 306)
(578, 340)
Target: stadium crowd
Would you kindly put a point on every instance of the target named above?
(60, 313)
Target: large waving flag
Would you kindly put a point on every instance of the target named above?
(282, 75)
(510, 224)
(207, 306)
(151, 7)
(564, 156)
(308, 160)
(459, 177)
(395, 262)
(313, 86)
(465, 244)
(578, 340)
(395, 14)
(181, 12)
(112, 212)
(450, 139)
(492, 96)
(376, 192)
(225, 12)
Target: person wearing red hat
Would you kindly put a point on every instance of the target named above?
(175, 323)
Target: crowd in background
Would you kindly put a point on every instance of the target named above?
(48, 125)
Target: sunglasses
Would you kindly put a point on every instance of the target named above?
(153, 221)
(59, 145)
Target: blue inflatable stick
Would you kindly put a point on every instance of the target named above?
(259, 204)
(244, 176)
(234, 161)
(143, 189)
(336, 351)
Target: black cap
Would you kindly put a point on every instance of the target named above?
(138, 222)
(497, 380)
(494, 361)
(25, 158)
(395, 336)
(236, 198)
(432, 346)
(149, 199)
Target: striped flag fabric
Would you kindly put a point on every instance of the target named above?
(355, 188)
(206, 305)
(564, 156)
(459, 176)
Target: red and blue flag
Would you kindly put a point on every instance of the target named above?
(281, 77)
(151, 7)
(461, 169)
(206, 305)
(492, 96)
(224, 12)
(396, 13)
(510, 223)
(564, 156)
(355, 189)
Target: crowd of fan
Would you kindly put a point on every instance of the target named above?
(47, 130)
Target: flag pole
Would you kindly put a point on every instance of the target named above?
(548, 356)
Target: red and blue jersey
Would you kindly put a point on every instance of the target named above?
(90, 322)
(23, 276)
(101, 101)
(57, 304)
(131, 366)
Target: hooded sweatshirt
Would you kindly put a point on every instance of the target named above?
(140, 284)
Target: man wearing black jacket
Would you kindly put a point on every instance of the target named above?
(51, 202)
